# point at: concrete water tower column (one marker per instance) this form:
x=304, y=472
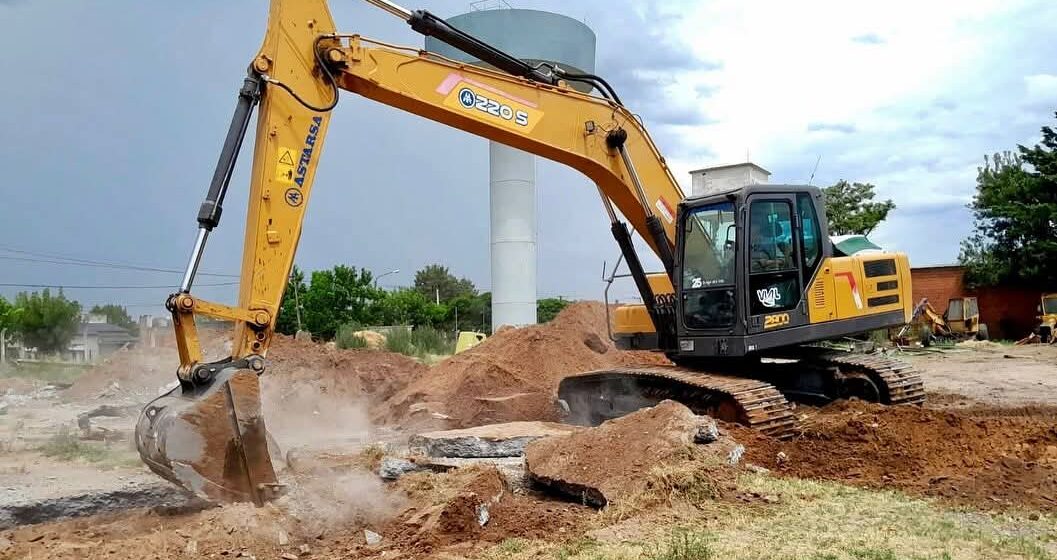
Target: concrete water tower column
x=512, y=201
x=533, y=36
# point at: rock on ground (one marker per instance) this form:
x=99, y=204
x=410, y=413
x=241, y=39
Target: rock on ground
x=599, y=466
x=493, y=440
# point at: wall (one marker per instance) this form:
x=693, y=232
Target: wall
x=938, y=284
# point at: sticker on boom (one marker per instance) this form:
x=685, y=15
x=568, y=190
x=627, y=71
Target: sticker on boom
x=493, y=107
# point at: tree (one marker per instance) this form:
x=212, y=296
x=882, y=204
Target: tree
x=436, y=279
x=116, y=315
x=47, y=323
x=339, y=296
x=1015, y=219
x=850, y=209
x=404, y=306
x=548, y=308
x=470, y=312
x=287, y=322
x=7, y=315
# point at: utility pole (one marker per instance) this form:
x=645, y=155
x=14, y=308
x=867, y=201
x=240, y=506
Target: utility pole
x=437, y=290
x=297, y=305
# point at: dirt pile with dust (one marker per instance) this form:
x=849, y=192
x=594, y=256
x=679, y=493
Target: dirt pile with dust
x=514, y=374
x=139, y=374
x=994, y=460
x=353, y=373
x=639, y=454
x=423, y=513
x=142, y=372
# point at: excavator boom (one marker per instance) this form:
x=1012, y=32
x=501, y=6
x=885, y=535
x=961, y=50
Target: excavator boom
x=208, y=434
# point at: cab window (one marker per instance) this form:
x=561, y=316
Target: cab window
x=810, y=234
x=708, y=267
x=774, y=272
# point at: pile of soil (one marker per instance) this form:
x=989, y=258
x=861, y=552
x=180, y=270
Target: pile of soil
x=514, y=374
x=618, y=460
x=995, y=460
x=449, y=508
x=355, y=373
x=140, y=373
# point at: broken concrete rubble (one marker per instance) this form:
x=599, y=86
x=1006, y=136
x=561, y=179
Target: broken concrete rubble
x=493, y=440
x=392, y=468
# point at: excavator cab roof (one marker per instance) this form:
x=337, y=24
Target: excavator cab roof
x=747, y=190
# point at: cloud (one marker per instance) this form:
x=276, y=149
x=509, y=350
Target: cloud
x=843, y=128
x=1041, y=89
x=868, y=39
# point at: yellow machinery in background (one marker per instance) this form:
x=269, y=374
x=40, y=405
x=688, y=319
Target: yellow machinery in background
x=468, y=339
x=1048, y=318
x=961, y=321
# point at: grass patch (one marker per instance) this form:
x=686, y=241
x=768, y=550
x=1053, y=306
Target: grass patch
x=576, y=547
x=47, y=372
x=371, y=457
x=422, y=343
x=809, y=520
x=683, y=545
x=66, y=446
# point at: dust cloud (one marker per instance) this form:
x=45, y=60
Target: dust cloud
x=304, y=420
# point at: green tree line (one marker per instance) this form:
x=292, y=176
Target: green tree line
x=326, y=300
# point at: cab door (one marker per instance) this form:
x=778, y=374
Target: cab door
x=773, y=257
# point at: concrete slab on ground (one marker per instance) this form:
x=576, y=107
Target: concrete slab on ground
x=493, y=440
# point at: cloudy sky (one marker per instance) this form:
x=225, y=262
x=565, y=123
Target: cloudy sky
x=113, y=114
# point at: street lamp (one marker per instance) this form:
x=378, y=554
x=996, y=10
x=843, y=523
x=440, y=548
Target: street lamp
x=384, y=275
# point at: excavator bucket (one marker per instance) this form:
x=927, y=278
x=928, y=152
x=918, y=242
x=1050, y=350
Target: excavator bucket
x=211, y=440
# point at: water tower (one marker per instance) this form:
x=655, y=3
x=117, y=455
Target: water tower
x=533, y=36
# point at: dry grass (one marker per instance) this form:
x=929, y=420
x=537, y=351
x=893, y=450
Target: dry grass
x=809, y=520
x=696, y=480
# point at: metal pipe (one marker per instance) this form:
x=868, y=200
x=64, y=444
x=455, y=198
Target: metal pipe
x=608, y=204
x=635, y=180
x=398, y=11
x=653, y=224
x=195, y=260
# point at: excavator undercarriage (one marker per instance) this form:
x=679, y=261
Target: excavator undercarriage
x=754, y=393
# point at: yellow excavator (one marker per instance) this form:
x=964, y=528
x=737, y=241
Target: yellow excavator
x=751, y=288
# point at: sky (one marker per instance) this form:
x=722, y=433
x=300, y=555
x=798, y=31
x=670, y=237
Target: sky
x=113, y=115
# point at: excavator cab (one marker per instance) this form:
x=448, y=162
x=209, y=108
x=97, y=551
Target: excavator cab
x=756, y=273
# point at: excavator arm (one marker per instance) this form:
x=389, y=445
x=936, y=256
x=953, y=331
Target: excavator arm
x=208, y=434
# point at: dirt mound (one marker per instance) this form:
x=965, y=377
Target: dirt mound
x=661, y=438
x=139, y=374
x=994, y=460
x=142, y=372
x=473, y=507
x=355, y=373
x=514, y=374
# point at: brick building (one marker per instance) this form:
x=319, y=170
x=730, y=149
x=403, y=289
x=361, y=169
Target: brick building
x=1009, y=313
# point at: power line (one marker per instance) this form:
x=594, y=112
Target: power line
x=47, y=258
x=71, y=287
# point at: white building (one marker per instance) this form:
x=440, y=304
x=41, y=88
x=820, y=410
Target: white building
x=727, y=177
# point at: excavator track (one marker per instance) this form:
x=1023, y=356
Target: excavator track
x=595, y=396
x=898, y=381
